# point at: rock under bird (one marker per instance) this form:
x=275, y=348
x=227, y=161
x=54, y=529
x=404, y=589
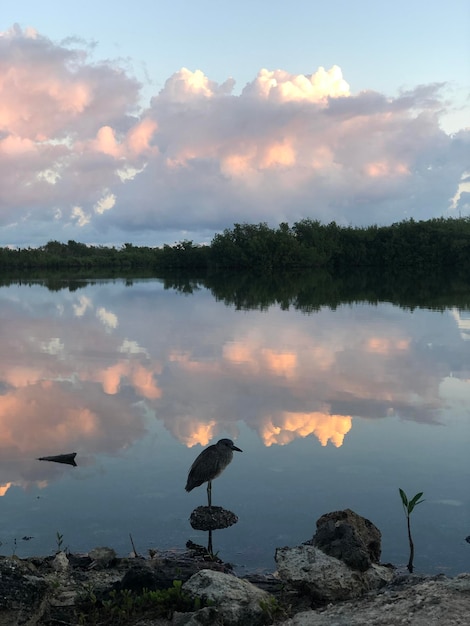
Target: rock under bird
x=209, y=464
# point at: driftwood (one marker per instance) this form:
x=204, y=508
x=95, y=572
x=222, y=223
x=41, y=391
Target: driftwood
x=67, y=459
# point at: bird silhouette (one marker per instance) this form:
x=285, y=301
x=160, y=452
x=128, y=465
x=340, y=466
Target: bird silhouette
x=209, y=464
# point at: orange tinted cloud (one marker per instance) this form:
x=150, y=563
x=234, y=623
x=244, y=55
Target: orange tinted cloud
x=55, y=427
x=289, y=425
x=198, y=432
x=238, y=352
x=15, y=146
x=22, y=376
x=280, y=363
x=135, y=143
x=386, y=345
x=4, y=488
x=185, y=85
x=238, y=164
x=279, y=154
x=139, y=137
x=259, y=359
x=106, y=142
x=140, y=377
x=384, y=168
x=285, y=87
x=72, y=132
x=194, y=365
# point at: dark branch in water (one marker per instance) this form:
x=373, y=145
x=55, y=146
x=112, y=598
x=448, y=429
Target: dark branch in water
x=67, y=459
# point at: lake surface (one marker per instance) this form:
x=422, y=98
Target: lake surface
x=333, y=408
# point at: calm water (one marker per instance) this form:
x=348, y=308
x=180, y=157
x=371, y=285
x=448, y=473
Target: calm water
x=333, y=409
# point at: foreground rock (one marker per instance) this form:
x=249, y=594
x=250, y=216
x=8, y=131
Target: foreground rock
x=350, y=538
x=23, y=593
x=339, y=563
x=33, y=593
x=324, y=579
x=237, y=601
x=408, y=601
x=342, y=584
x=79, y=589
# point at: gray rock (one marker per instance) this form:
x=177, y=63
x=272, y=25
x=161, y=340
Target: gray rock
x=212, y=518
x=102, y=557
x=208, y=616
x=436, y=601
x=349, y=537
x=60, y=562
x=323, y=578
x=23, y=593
x=238, y=602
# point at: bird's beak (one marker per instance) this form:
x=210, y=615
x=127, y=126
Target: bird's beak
x=237, y=449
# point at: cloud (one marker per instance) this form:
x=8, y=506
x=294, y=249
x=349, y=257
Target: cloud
x=280, y=86
x=71, y=381
x=285, y=428
x=80, y=160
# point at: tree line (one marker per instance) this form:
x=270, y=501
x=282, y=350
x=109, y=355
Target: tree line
x=307, y=291
x=307, y=244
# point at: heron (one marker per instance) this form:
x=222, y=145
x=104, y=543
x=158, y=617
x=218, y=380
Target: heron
x=209, y=464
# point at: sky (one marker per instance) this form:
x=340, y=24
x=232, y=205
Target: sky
x=157, y=122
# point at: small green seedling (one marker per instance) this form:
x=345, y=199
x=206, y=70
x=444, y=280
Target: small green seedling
x=408, y=506
x=59, y=541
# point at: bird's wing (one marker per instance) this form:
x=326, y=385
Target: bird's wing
x=206, y=467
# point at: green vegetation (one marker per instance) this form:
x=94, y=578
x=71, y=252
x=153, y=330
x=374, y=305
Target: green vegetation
x=273, y=610
x=306, y=291
x=122, y=606
x=59, y=541
x=442, y=243
x=408, y=506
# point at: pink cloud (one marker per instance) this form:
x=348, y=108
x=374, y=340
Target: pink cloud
x=200, y=158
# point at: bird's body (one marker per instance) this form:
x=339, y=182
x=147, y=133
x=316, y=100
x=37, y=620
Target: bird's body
x=209, y=464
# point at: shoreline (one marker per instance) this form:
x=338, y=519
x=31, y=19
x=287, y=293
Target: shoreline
x=57, y=589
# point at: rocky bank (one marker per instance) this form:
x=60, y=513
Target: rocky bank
x=335, y=578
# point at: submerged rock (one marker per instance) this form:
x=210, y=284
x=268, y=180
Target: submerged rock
x=212, y=518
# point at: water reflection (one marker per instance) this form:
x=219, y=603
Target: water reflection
x=76, y=366
x=94, y=369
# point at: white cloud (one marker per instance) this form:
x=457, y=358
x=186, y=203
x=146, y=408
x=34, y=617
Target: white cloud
x=54, y=346
x=79, y=216
x=281, y=86
x=109, y=319
x=79, y=161
x=129, y=346
x=84, y=303
x=186, y=86
x=106, y=203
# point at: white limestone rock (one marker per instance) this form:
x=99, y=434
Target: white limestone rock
x=326, y=579
x=238, y=602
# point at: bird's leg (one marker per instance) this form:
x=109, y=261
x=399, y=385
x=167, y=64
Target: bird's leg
x=209, y=492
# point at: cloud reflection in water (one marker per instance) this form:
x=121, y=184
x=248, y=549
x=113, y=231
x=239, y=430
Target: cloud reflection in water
x=79, y=370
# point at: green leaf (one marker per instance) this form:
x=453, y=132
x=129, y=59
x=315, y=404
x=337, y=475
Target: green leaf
x=414, y=501
x=404, y=499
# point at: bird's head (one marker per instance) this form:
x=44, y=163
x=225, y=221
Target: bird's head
x=228, y=443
